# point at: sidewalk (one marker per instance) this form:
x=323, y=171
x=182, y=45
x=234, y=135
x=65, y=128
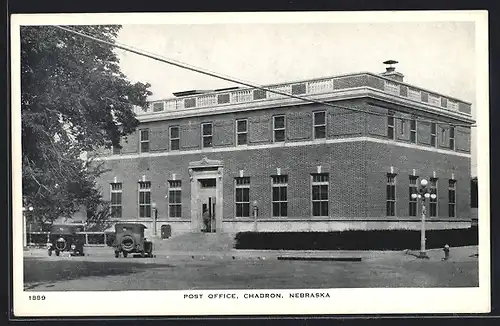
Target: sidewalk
x=456, y=254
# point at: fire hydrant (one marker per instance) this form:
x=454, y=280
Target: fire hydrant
x=446, y=250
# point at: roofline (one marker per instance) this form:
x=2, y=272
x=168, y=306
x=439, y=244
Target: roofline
x=321, y=78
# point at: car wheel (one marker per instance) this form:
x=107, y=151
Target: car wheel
x=125, y=254
x=57, y=252
x=50, y=252
x=117, y=254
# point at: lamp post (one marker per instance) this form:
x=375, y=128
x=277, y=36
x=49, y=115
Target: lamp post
x=423, y=193
x=255, y=213
x=25, y=240
x=155, y=217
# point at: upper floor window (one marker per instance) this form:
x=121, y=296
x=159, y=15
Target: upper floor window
x=175, y=138
x=451, y=140
x=144, y=140
x=390, y=125
x=206, y=134
x=413, y=130
x=319, y=125
x=433, y=134
x=116, y=200
x=279, y=128
x=443, y=136
x=241, y=132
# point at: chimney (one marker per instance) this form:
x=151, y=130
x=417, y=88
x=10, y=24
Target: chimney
x=390, y=71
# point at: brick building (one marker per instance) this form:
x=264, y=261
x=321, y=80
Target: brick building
x=304, y=166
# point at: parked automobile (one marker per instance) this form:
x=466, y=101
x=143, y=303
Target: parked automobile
x=129, y=239
x=64, y=238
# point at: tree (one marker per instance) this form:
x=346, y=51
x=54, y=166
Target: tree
x=74, y=100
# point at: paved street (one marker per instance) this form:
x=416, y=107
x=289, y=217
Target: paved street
x=246, y=269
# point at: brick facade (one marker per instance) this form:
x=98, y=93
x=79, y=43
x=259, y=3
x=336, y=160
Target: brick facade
x=356, y=154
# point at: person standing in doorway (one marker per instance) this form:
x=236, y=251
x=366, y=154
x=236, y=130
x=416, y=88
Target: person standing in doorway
x=206, y=219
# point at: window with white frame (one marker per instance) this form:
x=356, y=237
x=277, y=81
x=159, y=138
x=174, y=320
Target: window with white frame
x=116, y=200
x=144, y=199
x=174, y=198
x=390, y=125
x=242, y=196
x=451, y=140
x=433, y=134
x=279, y=128
x=207, y=134
x=413, y=130
x=241, y=132
x=319, y=194
x=433, y=202
x=413, y=189
x=144, y=140
x=452, y=198
x=175, y=138
x=319, y=122
x=280, y=196
x=443, y=136
x=391, y=195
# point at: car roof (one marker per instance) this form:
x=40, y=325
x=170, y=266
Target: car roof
x=133, y=225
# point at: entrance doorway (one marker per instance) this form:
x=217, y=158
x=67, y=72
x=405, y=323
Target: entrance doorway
x=207, y=200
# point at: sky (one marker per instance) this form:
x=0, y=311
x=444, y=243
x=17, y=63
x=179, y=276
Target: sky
x=438, y=56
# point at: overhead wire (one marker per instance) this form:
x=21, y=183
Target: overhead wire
x=182, y=65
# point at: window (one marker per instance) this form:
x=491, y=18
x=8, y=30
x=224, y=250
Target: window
x=319, y=194
x=242, y=196
x=174, y=198
x=413, y=189
x=280, y=201
x=433, y=203
x=279, y=128
x=206, y=134
x=402, y=126
x=144, y=199
x=433, y=134
x=452, y=187
x=144, y=140
x=443, y=136
x=241, y=132
x=452, y=138
x=175, y=138
x=391, y=195
x=116, y=200
x=390, y=125
x=319, y=125
x=413, y=130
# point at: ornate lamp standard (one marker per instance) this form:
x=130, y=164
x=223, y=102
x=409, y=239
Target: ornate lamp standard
x=255, y=213
x=155, y=217
x=423, y=193
x=25, y=240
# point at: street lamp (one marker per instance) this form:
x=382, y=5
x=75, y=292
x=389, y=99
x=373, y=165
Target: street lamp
x=423, y=193
x=255, y=213
x=155, y=217
x=25, y=240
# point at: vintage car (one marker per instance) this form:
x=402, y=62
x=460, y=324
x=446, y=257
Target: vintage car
x=129, y=239
x=64, y=238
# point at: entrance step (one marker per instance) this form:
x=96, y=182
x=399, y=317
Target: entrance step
x=197, y=242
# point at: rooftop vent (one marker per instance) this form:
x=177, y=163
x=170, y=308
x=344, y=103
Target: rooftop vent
x=390, y=71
